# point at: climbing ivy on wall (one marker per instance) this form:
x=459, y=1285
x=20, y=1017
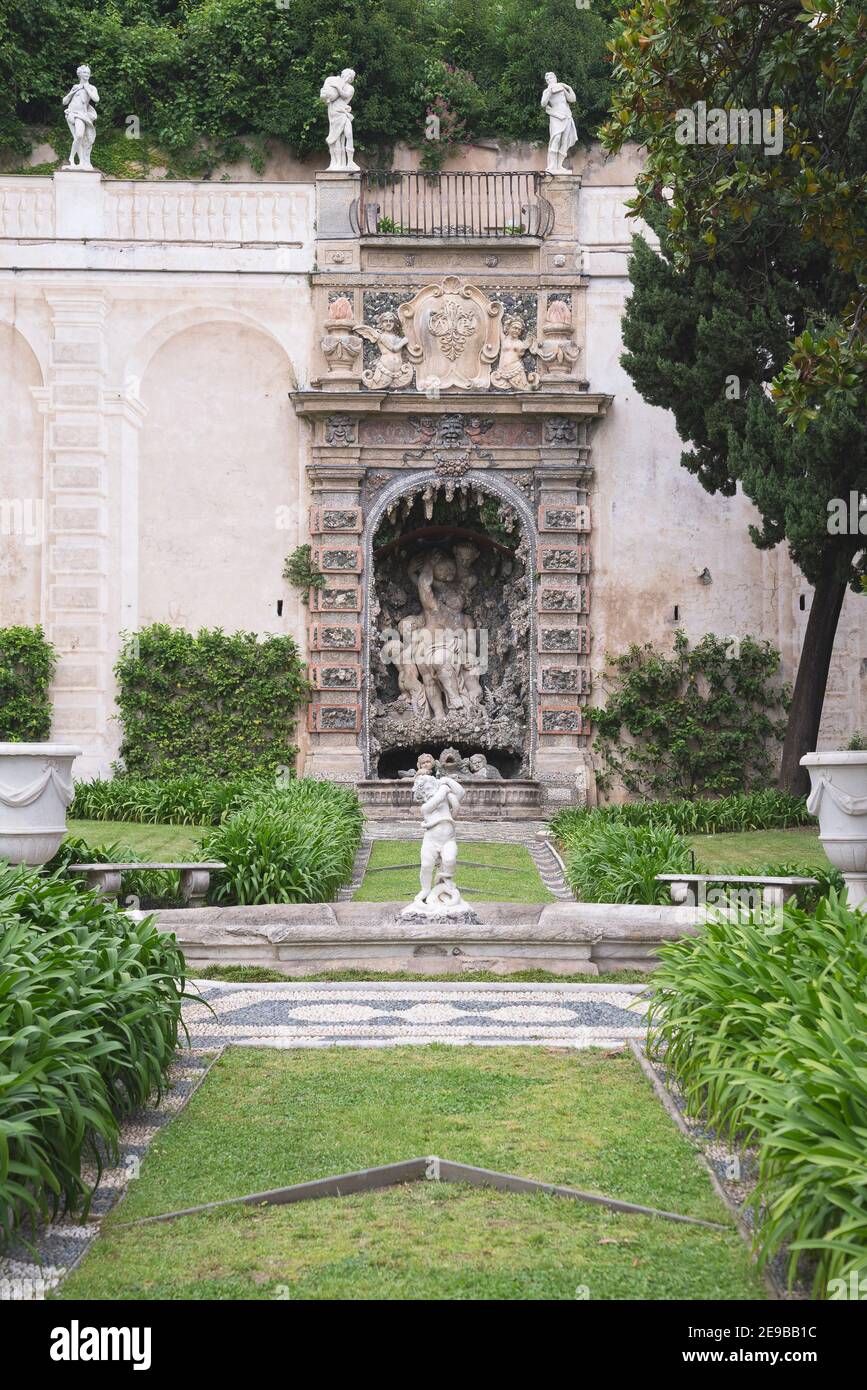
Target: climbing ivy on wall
x=215, y=702
x=700, y=721
x=27, y=663
x=205, y=78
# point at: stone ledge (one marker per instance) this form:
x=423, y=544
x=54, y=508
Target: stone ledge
x=565, y=938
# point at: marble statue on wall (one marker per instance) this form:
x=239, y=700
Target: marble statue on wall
x=425, y=766
x=390, y=370
x=482, y=771
x=337, y=93
x=80, y=112
x=562, y=135
x=510, y=373
x=439, y=895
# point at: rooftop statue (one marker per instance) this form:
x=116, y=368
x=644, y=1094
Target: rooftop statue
x=80, y=112
x=562, y=135
x=337, y=93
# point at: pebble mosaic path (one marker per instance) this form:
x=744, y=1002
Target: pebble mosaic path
x=383, y=1015
x=324, y=1015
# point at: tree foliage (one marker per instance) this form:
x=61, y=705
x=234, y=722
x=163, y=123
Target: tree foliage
x=218, y=72
x=806, y=59
x=704, y=340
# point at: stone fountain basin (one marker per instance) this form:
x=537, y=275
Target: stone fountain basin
x=512, y=798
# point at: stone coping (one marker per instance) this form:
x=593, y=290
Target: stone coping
x=299, y=940
x=356, y=921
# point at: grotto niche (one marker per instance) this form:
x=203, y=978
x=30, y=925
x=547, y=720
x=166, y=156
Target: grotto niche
x=450, y=631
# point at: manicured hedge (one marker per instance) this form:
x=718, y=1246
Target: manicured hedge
x=27, y=663
x=764, y=1026
x=89, y=1014
x=213, y=703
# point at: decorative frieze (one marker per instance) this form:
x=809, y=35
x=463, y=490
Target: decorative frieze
x=325, y=520
x=564, y=680
x=335, y=638
x=559, y=559
x=341, y=429
x=555, y=600
x=331, y=559
x=560, y=430
x=335, y=598
x=563, y=719
x=333, y=719
x=329, y=676
x=564, y=639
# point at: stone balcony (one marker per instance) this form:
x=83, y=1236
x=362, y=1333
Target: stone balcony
x=465, y=205
x=80, y=220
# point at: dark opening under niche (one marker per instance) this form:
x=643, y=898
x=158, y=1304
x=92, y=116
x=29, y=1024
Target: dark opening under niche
x=397, y=760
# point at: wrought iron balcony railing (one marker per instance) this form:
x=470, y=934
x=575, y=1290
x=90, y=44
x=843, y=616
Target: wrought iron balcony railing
x=452, y=205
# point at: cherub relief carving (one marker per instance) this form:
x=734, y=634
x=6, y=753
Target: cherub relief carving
x=390, y=371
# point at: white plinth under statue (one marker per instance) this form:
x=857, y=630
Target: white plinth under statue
x=439, y=896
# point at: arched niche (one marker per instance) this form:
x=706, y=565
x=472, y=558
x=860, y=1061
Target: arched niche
x=435, y=513
x=218, y=476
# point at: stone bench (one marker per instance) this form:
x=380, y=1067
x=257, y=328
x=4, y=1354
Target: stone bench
x=775, y=891
x=106, y=878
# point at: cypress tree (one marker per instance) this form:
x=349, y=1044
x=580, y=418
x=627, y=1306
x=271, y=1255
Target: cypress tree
x=703, y=342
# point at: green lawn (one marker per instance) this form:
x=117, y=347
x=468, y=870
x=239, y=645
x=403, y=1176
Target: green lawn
x=521, y=885
x=263, y=974
x=154, y=842
x=268, y=1118
x=753, y=849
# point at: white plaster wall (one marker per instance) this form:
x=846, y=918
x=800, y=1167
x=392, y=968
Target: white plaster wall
x=21, y=499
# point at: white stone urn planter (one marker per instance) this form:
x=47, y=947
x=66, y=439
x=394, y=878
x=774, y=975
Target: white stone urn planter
x=35, y=790
x=838, y=796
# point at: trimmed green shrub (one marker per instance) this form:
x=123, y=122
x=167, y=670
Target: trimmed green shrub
x=27, y=664
x=216, y=703
x=702, y=720
x=613, y=863
x=296, y=845
x=189, y=800
x=89, y=1015
x=762, y=810
x=765, y=1029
